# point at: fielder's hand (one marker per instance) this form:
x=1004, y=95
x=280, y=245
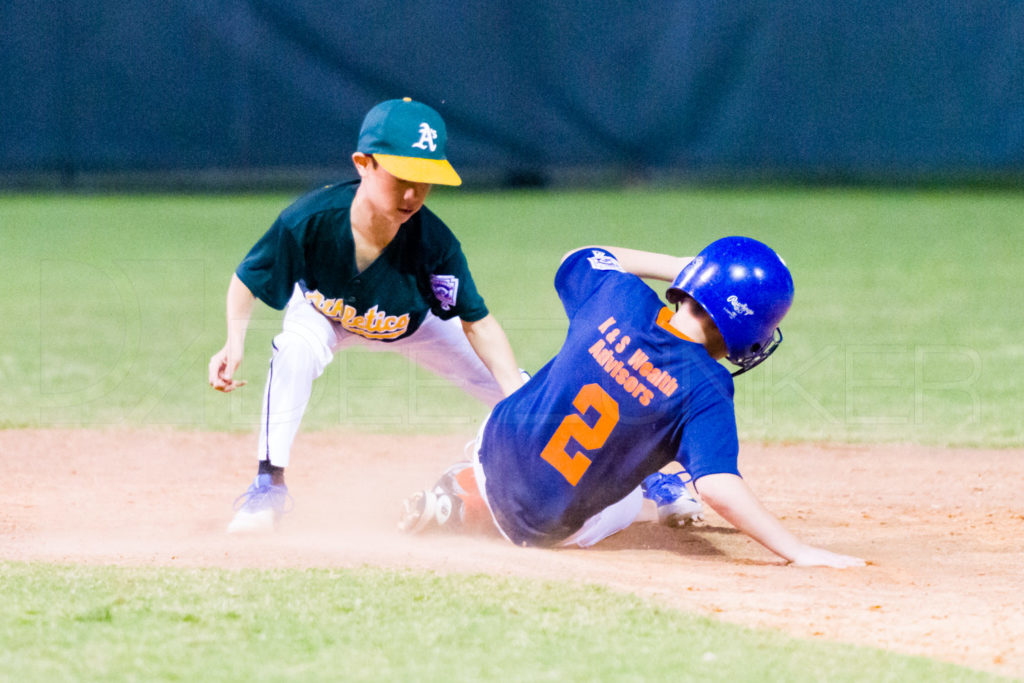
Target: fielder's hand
x=222, y=371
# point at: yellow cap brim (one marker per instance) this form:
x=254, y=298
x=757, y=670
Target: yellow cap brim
x=434, y=171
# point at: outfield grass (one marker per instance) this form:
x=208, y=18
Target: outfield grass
x=101, y=623
x=903, y=328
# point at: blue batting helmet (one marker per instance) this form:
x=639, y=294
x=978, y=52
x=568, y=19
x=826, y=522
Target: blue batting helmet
x=746, y=288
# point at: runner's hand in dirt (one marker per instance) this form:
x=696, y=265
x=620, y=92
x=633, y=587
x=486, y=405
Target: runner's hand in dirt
x=809, y=556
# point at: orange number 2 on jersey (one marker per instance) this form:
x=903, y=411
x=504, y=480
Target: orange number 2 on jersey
x=572, y=426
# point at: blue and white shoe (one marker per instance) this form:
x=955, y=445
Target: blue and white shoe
x=260, y=507
x=676, y=505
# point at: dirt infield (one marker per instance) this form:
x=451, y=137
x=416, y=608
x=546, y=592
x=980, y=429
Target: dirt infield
x=943, y=530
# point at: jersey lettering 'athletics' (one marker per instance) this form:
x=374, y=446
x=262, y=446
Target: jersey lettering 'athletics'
x=626, y=394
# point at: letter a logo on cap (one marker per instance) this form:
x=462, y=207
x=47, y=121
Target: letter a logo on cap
x=427, y=138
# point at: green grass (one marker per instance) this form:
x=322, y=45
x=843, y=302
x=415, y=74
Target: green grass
x=103, y=623
x=903, y=328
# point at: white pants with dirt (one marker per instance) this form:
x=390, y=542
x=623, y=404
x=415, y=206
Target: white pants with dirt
x=307, y=344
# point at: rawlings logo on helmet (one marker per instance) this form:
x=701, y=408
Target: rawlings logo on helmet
x=738, y=307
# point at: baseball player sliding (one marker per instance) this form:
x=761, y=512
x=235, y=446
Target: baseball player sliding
x=361, y=264
x=635, y=386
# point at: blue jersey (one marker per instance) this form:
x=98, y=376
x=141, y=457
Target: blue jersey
x=626, y=394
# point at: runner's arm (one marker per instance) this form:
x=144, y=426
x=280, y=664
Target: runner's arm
x=731, y=497
x=645, y=264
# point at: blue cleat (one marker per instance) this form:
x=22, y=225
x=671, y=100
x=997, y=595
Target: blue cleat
x=260, y=507
x=676, y=505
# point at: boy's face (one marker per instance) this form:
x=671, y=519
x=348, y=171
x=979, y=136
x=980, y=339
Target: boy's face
x=392, y=198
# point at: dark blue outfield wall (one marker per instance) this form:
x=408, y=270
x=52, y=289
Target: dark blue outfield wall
x=784, y=89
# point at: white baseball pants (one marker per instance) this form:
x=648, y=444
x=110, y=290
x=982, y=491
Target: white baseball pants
x=307, y=344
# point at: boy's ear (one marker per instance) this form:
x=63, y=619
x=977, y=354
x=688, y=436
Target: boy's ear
x=363, y=162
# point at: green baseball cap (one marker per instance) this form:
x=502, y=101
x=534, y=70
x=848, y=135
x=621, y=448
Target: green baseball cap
x=408, y=139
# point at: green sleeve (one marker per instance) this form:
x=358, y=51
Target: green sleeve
x=274, y=264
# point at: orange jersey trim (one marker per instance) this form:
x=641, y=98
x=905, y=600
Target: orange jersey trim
x=664, y=316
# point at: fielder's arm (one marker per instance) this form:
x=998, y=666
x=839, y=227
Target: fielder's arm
x=645, y=264
x=490, y=343
x=225, y=362
x=729, y=496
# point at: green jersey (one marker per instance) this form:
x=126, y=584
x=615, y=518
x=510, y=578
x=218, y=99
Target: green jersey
x=310, y=244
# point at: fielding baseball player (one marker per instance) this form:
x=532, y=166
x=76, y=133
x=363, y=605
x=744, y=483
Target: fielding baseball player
x=361, y=264
x=635, y=386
